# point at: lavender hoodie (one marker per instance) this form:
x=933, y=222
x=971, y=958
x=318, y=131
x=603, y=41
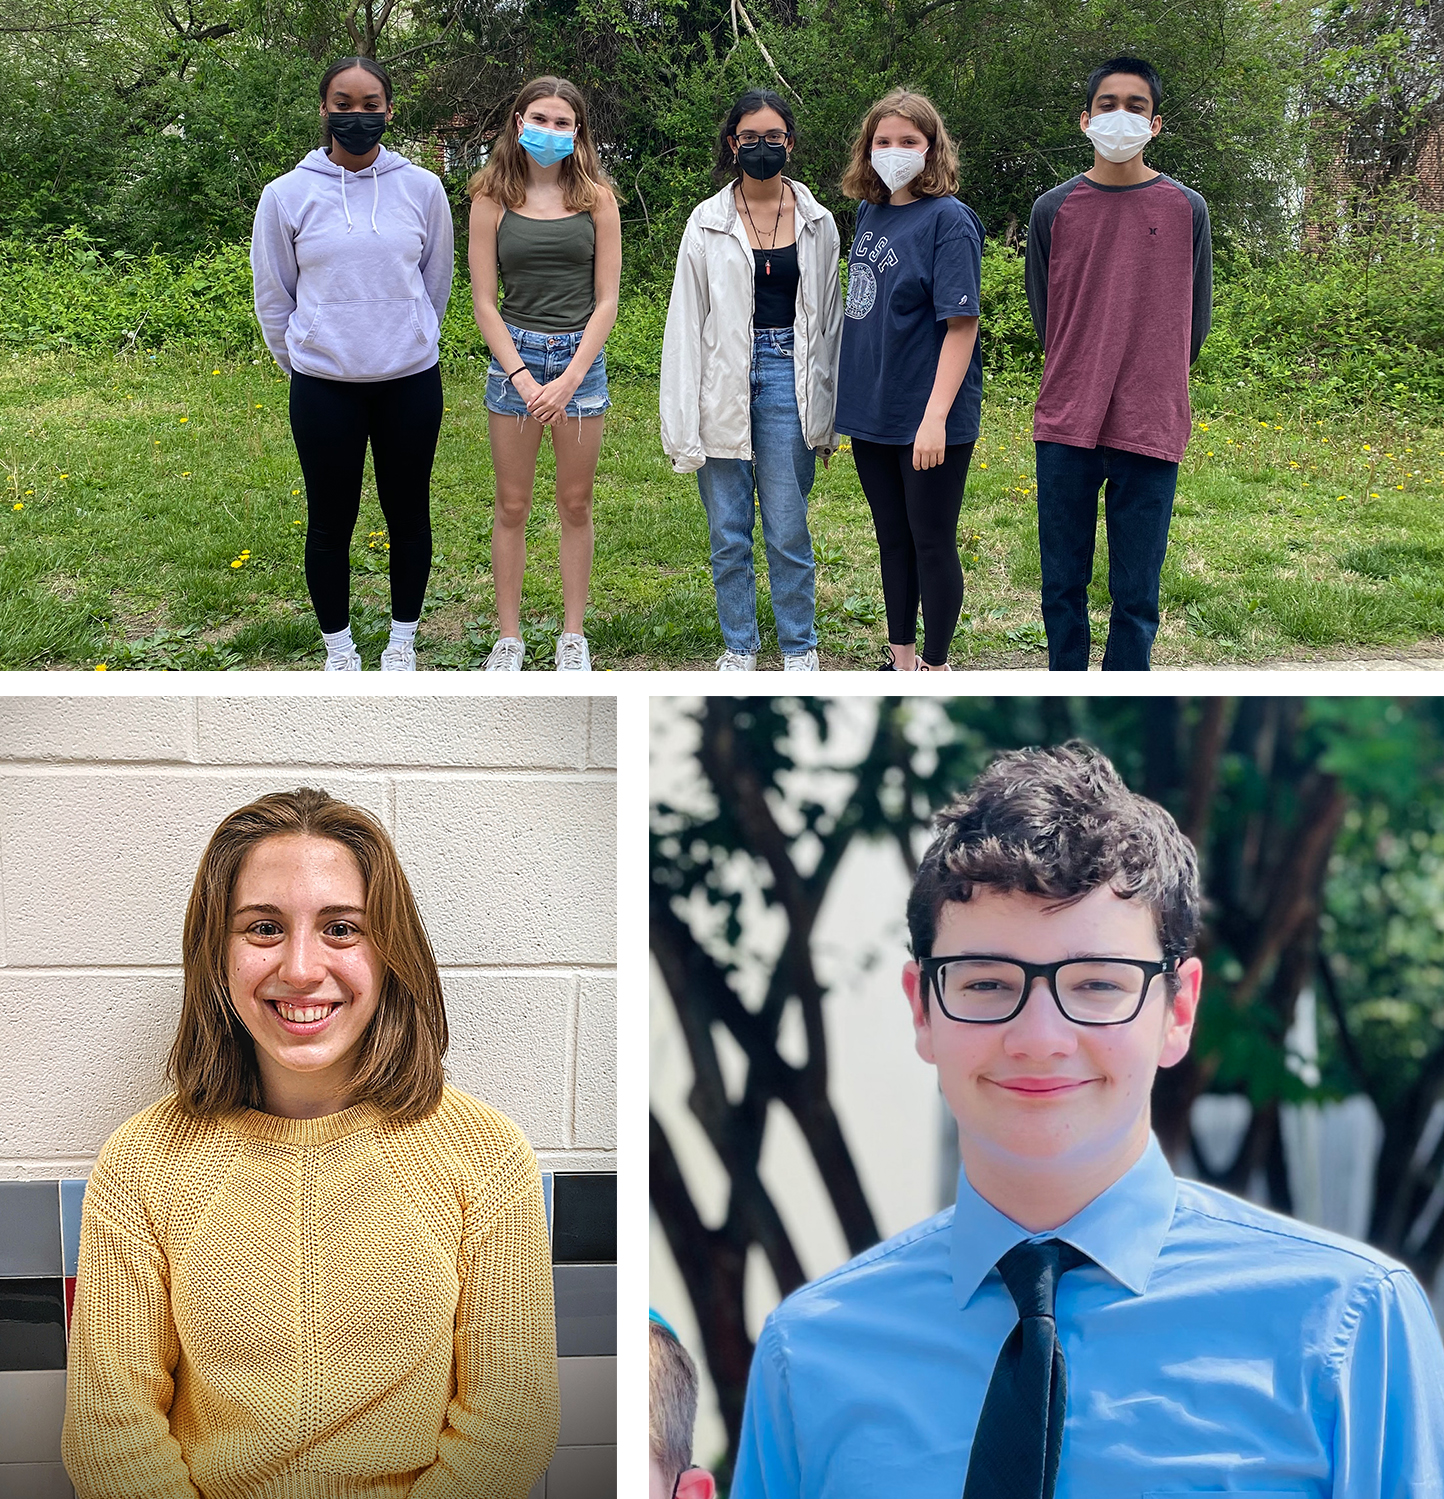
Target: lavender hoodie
x=352, y=270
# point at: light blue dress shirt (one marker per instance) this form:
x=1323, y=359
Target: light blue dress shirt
x=1213, y=1348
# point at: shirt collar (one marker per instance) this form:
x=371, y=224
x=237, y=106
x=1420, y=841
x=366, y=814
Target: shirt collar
x=1121, y=1230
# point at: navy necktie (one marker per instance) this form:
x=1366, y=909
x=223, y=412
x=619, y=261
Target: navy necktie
x=1020, y=1432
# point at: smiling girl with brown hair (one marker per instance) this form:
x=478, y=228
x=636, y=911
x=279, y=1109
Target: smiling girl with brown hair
x=315, y=1270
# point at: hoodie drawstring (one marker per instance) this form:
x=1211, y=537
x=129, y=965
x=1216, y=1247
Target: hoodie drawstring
x=376, y=198
x=344, y=208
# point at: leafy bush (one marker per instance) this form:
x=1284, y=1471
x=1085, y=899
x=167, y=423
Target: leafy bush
x=68, y=294
x=1360, y=321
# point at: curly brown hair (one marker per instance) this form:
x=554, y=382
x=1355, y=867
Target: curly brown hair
x=937, y=179
x=213, y=1061
x=1059, y=823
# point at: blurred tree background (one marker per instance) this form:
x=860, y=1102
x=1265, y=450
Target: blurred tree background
x=1320, y=826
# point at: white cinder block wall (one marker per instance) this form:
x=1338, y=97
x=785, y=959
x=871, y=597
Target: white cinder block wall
x=503, y=810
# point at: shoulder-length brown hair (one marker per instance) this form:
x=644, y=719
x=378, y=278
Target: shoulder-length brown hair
x=213, y=1061
x=936, y=180
x=584, y=183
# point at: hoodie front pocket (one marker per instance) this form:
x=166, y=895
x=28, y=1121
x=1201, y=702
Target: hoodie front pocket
x=365, y=339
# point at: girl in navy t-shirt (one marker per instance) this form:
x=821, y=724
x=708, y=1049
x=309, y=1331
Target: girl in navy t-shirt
x=910, y=385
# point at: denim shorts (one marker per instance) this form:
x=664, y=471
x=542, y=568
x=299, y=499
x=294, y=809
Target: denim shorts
x=546, y=356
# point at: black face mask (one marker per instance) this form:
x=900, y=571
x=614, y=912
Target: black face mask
x=357, y=132
x=762, y=160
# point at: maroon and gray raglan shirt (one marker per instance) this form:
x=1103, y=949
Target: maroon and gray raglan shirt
x=1120, y=285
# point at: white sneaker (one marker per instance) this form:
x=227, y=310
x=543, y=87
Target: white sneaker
x=736, y=661
x=572, y=653
x=399, y=657
x=506, y=655
x=807, y=661
x=351, y=661
x=918, y=666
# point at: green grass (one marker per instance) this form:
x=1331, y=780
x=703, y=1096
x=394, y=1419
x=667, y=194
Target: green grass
x=142, y=482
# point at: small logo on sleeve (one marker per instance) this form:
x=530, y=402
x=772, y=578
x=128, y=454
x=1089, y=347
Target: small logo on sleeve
x=962, y=301
x=1153, y=231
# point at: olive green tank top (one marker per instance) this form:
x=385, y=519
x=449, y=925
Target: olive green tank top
x=548, y=271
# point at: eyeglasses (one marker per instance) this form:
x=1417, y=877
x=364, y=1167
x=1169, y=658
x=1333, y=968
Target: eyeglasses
x=751, y=137
x=979, y=989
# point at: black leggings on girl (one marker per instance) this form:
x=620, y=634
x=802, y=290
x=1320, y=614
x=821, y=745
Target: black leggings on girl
x=915, y=515
x=331, y=421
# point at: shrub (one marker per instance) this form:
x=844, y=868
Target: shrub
x=1361, y=321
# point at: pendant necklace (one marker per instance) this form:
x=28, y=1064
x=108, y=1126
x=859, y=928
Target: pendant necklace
x=781, y=199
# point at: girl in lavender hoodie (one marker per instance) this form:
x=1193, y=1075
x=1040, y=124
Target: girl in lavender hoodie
x=352, y=258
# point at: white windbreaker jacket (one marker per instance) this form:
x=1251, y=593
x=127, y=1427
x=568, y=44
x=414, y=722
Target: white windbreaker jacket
x=707, y=347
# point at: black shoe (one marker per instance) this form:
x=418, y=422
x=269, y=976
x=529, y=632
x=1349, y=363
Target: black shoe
x=888, y=664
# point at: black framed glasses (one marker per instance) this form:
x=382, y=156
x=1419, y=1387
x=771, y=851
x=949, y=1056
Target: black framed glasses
x=980, y=989
x=751, y=137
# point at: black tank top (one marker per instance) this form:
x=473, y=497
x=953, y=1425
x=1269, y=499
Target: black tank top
x=776, y=305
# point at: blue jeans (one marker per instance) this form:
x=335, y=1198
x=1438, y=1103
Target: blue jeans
x=546, y=355
x=780, y=474
x=1137, y=507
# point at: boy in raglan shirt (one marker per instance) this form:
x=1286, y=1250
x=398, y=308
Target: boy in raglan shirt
x=1120, y=286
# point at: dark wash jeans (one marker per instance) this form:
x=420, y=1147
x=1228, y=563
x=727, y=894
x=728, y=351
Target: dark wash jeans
x=1137, y=507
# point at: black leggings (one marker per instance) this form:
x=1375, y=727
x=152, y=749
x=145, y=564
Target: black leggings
x=915, y=515
x=331, y=420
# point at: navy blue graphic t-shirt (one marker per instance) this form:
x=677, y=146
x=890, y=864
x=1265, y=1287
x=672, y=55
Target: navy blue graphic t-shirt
x=911, y=268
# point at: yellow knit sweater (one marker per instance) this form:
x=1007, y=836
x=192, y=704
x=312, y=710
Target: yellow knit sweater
x=335, y=1308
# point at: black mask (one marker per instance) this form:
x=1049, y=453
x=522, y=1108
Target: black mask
x=762, y=160
x=357, y=132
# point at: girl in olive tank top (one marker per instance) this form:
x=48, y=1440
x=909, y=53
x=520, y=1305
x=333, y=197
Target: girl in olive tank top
x=546, y=232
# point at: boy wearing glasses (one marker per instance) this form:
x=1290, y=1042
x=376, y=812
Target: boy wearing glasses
x=1083, y=1324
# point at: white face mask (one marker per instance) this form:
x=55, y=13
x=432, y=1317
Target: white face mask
x=897, y=166
x=1119, y=135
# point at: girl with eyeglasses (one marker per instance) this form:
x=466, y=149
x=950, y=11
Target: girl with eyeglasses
x=749, y=374
x=545, y=225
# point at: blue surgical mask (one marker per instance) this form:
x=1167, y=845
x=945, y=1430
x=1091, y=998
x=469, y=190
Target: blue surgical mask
x=545, y=147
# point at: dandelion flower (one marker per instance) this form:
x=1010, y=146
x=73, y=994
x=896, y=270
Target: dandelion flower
x=258, y=406
x=295, y=491
x=185, y=418
x=984, y=465
x=101, y=666
x=1373, y=497
x=65, y=476
x=237, y=562
x=1398, y=486
x=19, y=505
x=1367, y=448
x=215, y=372
x=186, y=474
x=295, y=523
